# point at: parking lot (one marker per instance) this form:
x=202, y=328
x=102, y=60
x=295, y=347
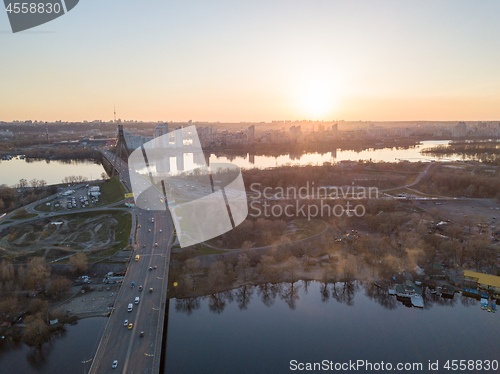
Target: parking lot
x=77, y=198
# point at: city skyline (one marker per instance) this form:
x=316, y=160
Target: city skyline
x=232, y=62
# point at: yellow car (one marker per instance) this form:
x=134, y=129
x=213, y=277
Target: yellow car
x=137, y=258
x=130, y=325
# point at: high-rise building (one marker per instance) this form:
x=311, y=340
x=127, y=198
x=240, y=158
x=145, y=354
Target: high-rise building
x=335, y=129
x=251, y=133
x=295, y=133
x=161, y=130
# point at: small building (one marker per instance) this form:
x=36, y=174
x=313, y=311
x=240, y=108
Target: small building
x=485, y=282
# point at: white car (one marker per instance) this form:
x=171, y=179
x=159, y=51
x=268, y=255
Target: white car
x=115, y=364
x=125, y=323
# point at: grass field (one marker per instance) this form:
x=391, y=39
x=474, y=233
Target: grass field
x=24, y=216
x=306, y=229
x=112, y=191
x=44, y=207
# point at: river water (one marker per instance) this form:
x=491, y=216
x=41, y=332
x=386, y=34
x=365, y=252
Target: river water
x=52, y=172
x=264, y=331
x=411, y=154
x=64, y=354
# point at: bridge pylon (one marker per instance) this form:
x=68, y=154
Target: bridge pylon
x=121, y=148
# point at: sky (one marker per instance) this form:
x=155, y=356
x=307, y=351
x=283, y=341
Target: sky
x=230, y=60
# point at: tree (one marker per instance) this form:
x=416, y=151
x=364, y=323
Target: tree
x=6, y=271
x=23, y=183
x=38, y=273
x=36, y=331
x=58, y=287
x=38, y=306
x=243, y=266
x=267, y=269
x=9, y=307
x=291, y=268
x=192, y=268
x=216, y=274
x=78, y=263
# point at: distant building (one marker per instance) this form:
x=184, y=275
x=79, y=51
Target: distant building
x=251, y=134
x=335, y=129
x=295, y=133
x=161, y=130
x=459, y=130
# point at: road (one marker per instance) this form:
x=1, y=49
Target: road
x=135, y=353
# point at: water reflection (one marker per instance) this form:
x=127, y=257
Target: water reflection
x=67, y=351
x=238, y=332
x=391, y=154
x=290, y=293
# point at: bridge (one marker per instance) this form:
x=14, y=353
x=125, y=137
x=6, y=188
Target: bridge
x=138, y=348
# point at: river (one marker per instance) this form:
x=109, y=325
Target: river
x=52, y=172
x=411, y=154
x=264, y=331
x=63, y=354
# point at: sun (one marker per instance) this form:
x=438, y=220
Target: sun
x=318, y=100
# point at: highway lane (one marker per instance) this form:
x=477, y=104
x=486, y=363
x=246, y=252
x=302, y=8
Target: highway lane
x=134, y=353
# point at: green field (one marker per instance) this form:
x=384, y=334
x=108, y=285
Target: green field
x=306, y=229
x=112, y=191
x=44, y=207
x=24, y=216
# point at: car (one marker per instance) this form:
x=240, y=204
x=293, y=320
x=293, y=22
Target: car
x=137, y=300
x=150, y=268
x=160, y=230
x=137, y=257
x=130, y=325
x=140, y=226
x=140, y=288
x=154, y=267
x=125, y=323
x=151, y=290
x=144, y=246
x=115, y=364
x=149, y=230
x=156, y=244
x=142, y=334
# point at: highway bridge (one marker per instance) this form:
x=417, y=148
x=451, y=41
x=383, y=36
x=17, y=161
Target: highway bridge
x=138, y=349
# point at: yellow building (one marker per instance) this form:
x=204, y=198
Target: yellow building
x=484, y=281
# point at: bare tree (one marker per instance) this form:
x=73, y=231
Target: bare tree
x=38, y=273
x=36, y=331
x=38, y=306
x=216, y=274
x=291, y=268
x=243, y=266
x=6, y=271
x=58, y=287
x=192, y=268
x=78, y=263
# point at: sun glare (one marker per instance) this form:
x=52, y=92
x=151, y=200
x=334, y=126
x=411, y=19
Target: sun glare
x=318, y=101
